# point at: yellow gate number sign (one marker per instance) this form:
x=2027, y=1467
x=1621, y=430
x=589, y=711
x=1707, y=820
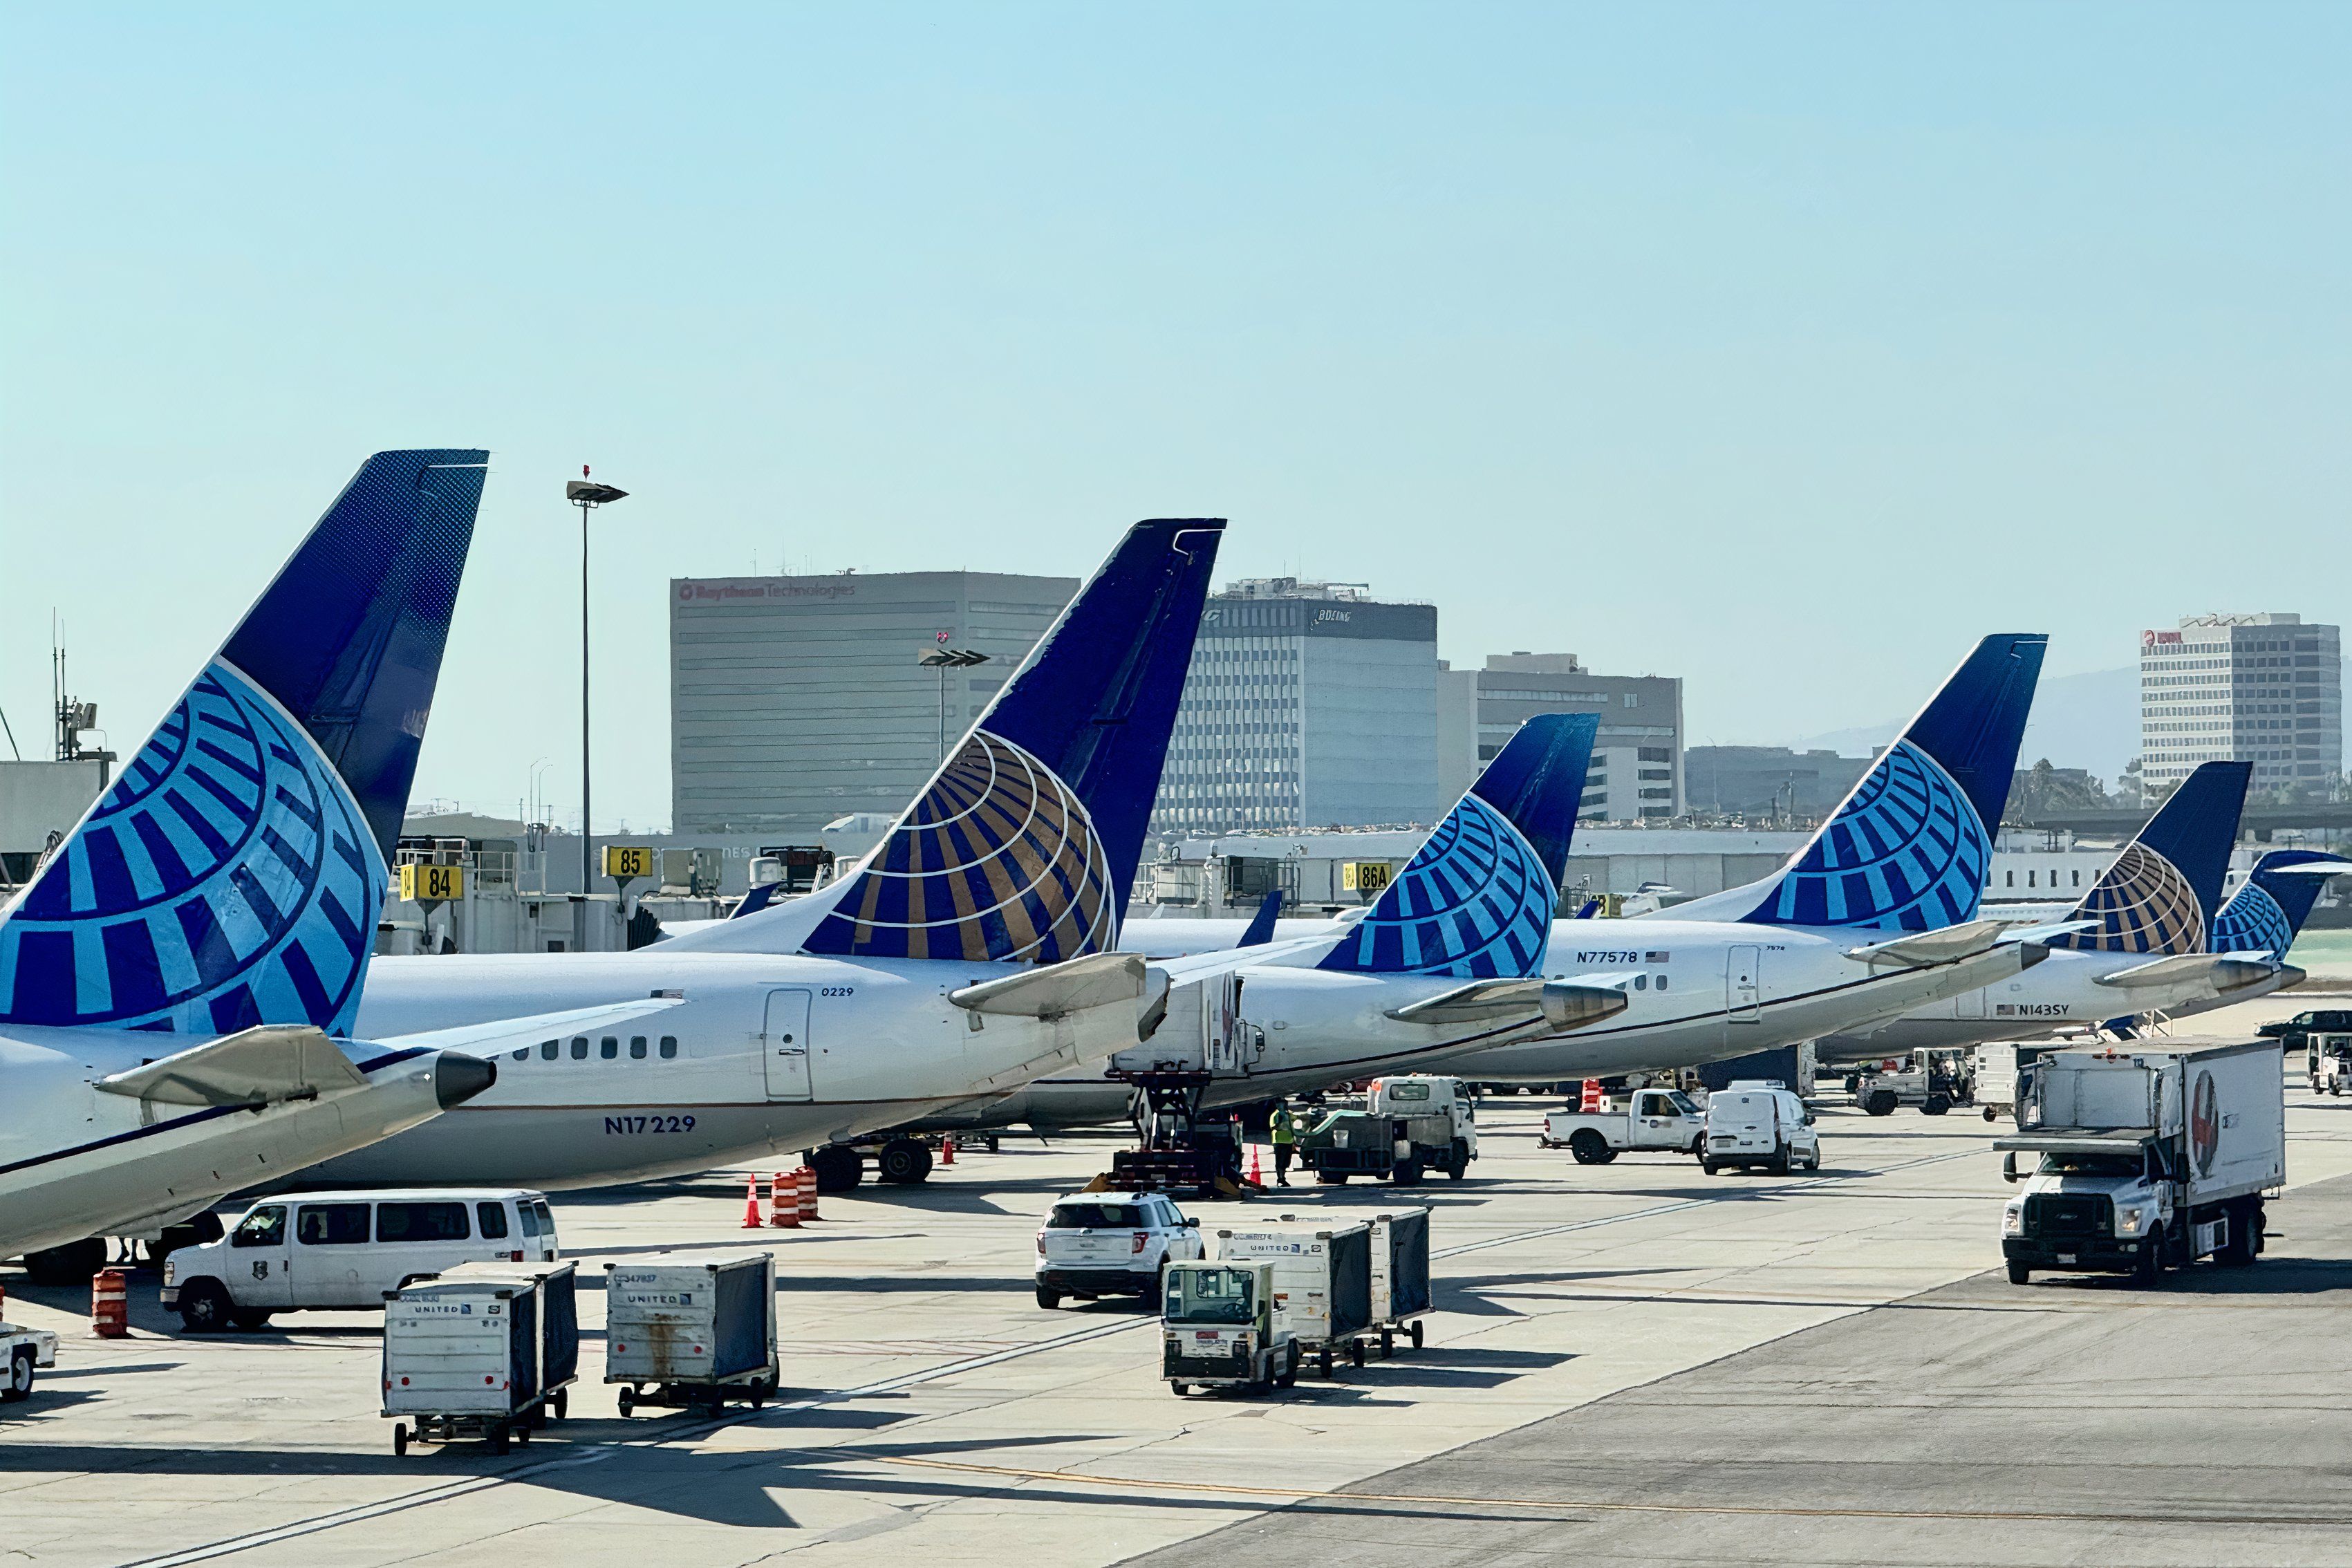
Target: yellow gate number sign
x=1366, y=876
x=626, y=862
x=432, y=884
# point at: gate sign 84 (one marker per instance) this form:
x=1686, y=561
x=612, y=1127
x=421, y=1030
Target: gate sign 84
x=432, y=884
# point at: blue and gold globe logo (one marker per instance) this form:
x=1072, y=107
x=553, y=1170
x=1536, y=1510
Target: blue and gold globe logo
x=2142, y=904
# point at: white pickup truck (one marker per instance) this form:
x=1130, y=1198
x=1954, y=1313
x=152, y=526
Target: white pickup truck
x=1661, y=1119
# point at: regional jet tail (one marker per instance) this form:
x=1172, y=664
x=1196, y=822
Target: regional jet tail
x=2259, y=924
x=178, y=983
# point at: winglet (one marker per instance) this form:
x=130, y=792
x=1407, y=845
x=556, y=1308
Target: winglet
x=1261, y=927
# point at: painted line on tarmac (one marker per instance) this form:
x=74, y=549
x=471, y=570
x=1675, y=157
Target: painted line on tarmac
x=596, y=1454
x=1578, y=1505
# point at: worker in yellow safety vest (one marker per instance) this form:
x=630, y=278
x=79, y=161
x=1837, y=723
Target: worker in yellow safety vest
x=1284, y=1129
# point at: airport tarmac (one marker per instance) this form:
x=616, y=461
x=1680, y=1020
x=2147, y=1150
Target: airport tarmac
x=1631, y=1360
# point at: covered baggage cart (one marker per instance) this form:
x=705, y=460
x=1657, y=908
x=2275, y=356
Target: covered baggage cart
x=692, y=1331
x=461, y=1360
x=1322, y=1280
x=556, y=1309
x=1401, y=1293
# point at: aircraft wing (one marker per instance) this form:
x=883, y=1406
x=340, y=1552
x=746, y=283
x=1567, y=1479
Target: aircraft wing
x=508, y=1033
x=1057, y=990
x=260, y=1065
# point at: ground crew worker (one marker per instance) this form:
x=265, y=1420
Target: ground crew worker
x=1284, y=1129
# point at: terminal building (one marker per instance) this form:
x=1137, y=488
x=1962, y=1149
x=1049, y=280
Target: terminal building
x=1309, y=705
x=796, y=700
x=1637, y=755
x=2263, y=689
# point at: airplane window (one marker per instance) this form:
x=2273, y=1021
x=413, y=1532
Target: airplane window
x=609, y=1049
x=668, y=1046
x=524, y=1054
x=637, y=1048
x=547, y=1050
x=1662, y=982
x=579, y=1047
x=1641, y=983
x=2078, y=879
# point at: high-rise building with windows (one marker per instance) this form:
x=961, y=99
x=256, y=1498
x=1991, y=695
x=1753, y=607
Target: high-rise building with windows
x=2268, y=689
x=1637, y=757
x=1309, y=705
x=795, y=700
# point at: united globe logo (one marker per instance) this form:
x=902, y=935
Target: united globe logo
x=2252, y=921
x=1906, y=852
x=2143, y=904
x=1474, y=901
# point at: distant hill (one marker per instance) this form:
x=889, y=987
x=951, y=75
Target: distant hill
x=2089, y=720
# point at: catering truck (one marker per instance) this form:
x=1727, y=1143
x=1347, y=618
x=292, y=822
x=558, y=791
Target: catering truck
x=2146, y=1160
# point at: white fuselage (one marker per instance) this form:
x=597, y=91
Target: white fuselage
x=2063, y=992
x=1698, y=991
x=764, y=1056
x=78, y=1162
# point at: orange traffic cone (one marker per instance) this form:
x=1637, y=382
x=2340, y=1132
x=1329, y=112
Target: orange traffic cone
x=947, y=1149
x=1256, y=1178
x=751, y=1220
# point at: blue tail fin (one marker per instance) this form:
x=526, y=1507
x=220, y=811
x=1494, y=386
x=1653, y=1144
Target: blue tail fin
x=233, y=874
x=1908, y=849
x=1024, y=843
x=2164, y=892
x=2267, y=914
x=1260, y=930
x=1477, y=900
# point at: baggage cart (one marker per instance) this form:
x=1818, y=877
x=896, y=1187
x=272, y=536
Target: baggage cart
x=1401, y=1293
x=692, y=1331
x=461, y=1360
x=556, y=1310
x=1322, y=1281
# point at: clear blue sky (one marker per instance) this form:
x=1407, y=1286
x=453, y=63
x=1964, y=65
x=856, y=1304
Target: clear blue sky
x=1785, y=348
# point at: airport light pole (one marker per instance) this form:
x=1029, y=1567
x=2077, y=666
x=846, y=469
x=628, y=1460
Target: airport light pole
x=942, y=659
x=587, y=497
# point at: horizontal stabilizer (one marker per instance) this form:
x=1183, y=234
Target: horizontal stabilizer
x=1479, y=1002
x=2225, y=971
x=1058, y=989
x=512, y=1034
x=260, y=1065
x=1925, y=948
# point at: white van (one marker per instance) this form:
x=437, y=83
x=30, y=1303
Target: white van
x=348, y=1250
x=1754, y=1123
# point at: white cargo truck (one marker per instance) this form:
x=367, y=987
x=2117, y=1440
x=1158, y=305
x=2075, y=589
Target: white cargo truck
x=1322, y=1280
x=2145, y=1159
x=1665, y=1120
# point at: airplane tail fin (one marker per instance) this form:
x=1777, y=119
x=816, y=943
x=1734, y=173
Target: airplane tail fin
x=2267, y=913
x=1024, y=843
x=1476, y=900
x=232, y=875
x=2163, y=893
x=1260, y=930
x=1908, y=849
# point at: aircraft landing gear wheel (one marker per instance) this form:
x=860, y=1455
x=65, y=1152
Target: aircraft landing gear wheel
x=905, y=1161
x=839, y=1168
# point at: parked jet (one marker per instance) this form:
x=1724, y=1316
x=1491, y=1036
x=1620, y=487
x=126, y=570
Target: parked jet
x=178, y=982
x=1793, y=957
x=1450, y=957
x=973, y=951
x=2146, y=951
x=2262, y=919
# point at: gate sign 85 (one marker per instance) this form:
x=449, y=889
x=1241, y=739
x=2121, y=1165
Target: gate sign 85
x=628, y=862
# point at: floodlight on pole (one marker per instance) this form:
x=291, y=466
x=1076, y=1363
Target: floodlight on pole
x=942, y=659
x=587, y=496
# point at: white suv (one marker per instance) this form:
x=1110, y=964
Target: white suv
x=1757, y=1124
x=1111, y=1244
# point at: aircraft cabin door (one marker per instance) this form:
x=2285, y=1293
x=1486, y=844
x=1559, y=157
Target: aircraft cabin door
x=1220, y=1024
x=1742, y=988
x=786, y=1039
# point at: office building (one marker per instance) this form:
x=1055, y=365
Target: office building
x=795, y=700
x=1637, y=768
x=1309, y=705
x=1769, y=782
x=2266, y=688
